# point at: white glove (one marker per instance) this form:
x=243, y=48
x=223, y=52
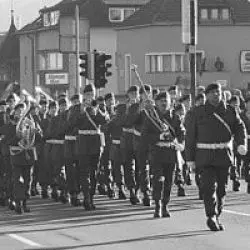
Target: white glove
x=191, y=165
x=242, y=150
x=162, y=136
x=179, y=147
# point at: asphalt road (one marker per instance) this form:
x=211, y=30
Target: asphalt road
x=118, y=225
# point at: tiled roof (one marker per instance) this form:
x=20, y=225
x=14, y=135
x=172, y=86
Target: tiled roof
x=126, y=2
x=9, y=49
x=169, y=11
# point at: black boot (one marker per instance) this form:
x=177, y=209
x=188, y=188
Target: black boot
x=248, y=188
x=165, y=211
x=111, y=193
x=92, y=205
x=11, y=204
x=181, y=191
x=102, y=189
x=54, y=194
x=63, y=197
x=25, y=208
x=212, y=224
x=146, y=199
x=18, y=208
x=157, y=213
x=86, y=204
x=133, y=198
x=200, y=195
x=122, y=195
x=221, y=226
x=74, y=201
x=236, y=185
x=44, y=194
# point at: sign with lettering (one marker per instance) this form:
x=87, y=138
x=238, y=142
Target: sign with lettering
x=56, y=78
x=245, y=61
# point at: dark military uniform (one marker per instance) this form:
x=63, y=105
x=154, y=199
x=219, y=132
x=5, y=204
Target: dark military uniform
x=164, y=156
x=90, y=143
x=246, y=159
x=209, y=132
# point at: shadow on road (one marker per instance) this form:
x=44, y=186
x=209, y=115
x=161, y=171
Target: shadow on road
x=139, y=239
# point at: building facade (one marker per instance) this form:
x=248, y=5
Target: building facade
x=45, y=62
x=152, y=39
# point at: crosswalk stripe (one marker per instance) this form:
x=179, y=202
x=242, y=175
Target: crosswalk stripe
x=24, y=240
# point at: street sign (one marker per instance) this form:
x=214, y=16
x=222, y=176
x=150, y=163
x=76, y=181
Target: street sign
x=186, y=20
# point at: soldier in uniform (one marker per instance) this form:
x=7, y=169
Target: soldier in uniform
x=210, y=129
x=173, y=91
x=91, y=143
x=114, y=131
x=70, y=152
x=165, y=135
x=246, y=159
x=127, y=143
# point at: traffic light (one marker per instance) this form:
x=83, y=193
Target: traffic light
x=84, y=65
x=101, y=69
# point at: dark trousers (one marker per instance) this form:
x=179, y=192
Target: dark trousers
x=105, y=174
x=72, y=176
x=214, y=181
x=21, y=178
x=87, y=174
x=117, y=164
x=162, y=180
x=129, y=167
x=246, y=167
x=198, y=174
x=8, y=178
x=143, y=167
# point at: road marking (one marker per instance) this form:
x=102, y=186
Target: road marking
x=24, y=240
x=236, y=213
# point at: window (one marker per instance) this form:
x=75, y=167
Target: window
x=25, y=65
x=171, y=62
x=51, y=61
x=225, y=14
x=214, y=14
x=204, y=14
x=120, y=14
x=51, y=18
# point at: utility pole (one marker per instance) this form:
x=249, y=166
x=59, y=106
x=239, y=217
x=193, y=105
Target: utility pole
x=192, y=48
x=77, y=24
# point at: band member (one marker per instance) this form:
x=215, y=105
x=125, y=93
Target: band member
x=45, y=173
x=110, y=104
x=200, y=99
x=165, y=135
x=246, y=159
x=209, y=131
x=173, y=91
x=155, y=92
x=22, y=155
x=141, y=147
x=115, y=132
x=70, y=153
x=91, y=143
x=127, y=143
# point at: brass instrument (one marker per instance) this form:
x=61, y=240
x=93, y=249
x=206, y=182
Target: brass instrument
x=152, y=114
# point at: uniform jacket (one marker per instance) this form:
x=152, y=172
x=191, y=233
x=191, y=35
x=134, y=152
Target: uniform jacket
x=152, y=133
x=203, y=127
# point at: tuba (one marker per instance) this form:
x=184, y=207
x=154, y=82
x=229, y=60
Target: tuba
x=26, y=130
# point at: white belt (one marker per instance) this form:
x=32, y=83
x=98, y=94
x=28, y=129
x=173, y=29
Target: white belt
x=128, y=130
x=55, y=141
x=70, y=138
x=165, y=144
x=137, y=133
x=116, y=142
x=213, y=145
x=88, y=132
x=20, y=149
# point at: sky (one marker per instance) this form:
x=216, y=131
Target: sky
x=25, y=10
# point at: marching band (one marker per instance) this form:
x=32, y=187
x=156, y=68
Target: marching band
x=145, y=145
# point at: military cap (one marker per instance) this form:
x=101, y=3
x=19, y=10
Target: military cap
x=75, y=97
x=43, y=102
x=100, y=99
x=234, y=98
x=199, y=96
x=211, y=87
x=19, y=106
x=62, y=102
x=62, y=96
x=172, y=88
x=155, y=92
x=52, y=104
x=109, y=96
x=147, y=87
x=10, y=97
x=2, y=103
x=185, y=98
x=89, y=88
x=162, y=95
x=179, y=107
x=133, y=88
